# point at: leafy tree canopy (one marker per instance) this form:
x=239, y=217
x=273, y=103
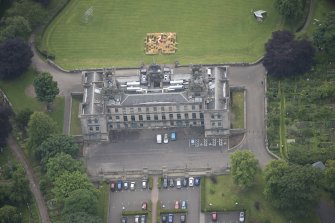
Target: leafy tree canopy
x=324, y=35
x=56, y=144
x=22, y=118
x=40, y=127
x=20, y=191
x=9, y=214
x=80, y=217
x=46, y=89
x=290, y=9
x=81, y=200
x=292, y=188
x=30, y=10
x=66, y=183
x=5, y=126
x=15, y=58
x=244, y=168
x=12, y=27
x=330, y=177
x=62, y=163
x=286, y=56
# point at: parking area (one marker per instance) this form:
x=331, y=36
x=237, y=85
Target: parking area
x=129, y=200
x=224, y=217
x=134, y=150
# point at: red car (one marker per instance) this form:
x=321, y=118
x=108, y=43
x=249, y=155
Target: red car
x=112, y=186
x=144, y=206
x=214, y=216
x=176, y=205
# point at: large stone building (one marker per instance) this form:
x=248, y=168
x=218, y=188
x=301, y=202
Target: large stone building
x=159, y=99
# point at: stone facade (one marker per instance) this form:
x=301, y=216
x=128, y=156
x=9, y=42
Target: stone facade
x=201, y=100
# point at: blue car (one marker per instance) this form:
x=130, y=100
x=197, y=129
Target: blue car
x=119, y=185
x=170, y=218
x=173, y=136
x=197, y=181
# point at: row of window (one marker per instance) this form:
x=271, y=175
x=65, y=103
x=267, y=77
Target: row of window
x=154, y=109
x=165, y=123
x=155, y=117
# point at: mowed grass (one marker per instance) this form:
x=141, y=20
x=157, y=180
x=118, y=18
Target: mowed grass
x=213, y=31
x=75, y=128
x=237, y=109
x=226, y=196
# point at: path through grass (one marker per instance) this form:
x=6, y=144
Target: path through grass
x=207, y=31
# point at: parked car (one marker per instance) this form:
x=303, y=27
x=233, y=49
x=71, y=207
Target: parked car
x=166, y=138
x=192, y=142
x=197, y=181
x=164, y=218
x=119, y=185
x=171, y=182
x=144, y=206
x=124, y=220
x=125, y=185
x=185, y=182
x=137, y=219
x=112, y=186
x=143, y=219
x=173, y=136
x=191, y=181
x=182, y=218
x=241, y=216
x=183, y=205
x=132, y=185
x=178, y=183
x=176, y=205
x=165, y=182
x=170, y=218
x=214, y=216
x=144, y=184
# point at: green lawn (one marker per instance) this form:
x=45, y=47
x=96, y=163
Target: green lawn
x=226, y=196
x=237, y=109
x=75, y=128
x=16, y=91
x=103, y=202
x=207, y=31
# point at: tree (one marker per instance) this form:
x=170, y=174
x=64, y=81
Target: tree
x=10, y=214
x=6, y=127
x=56, y=144
x=15, y=58
x=81, y=200
x=46, y=89
x=324, y=35
x=330, y=177
x=40, y=127
x=69, y=182
x=244, y=167
x=290, y=9
x=286, y=56
x=20, y=191
x=80, y=217
x=292, y=188
x=62, y=163
x=22, y=118
x=12, y=27
x=31, y=11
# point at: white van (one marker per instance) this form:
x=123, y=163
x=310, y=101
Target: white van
x=159, y=138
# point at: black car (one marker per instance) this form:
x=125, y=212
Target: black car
x=182, y=218
x=185, y=182
x=124, y=220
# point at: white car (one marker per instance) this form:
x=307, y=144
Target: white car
x=166, y=138
x=191, y=182
x=132, y=185
x=241, y=216
x=178, y=183
x=144, y=184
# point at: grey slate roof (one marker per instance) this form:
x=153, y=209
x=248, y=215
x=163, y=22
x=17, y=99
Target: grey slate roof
x=136, y=99
x=319, y=165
